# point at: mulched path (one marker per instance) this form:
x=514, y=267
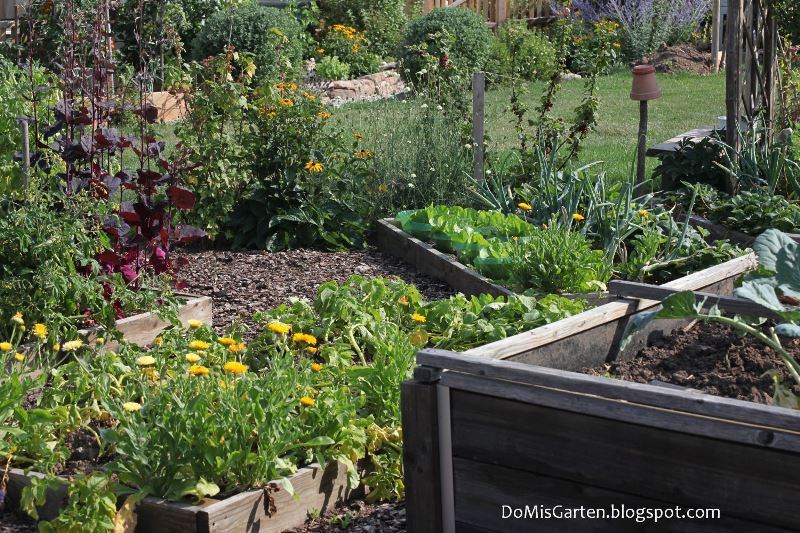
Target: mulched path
x=241, y=283
x=711, y=358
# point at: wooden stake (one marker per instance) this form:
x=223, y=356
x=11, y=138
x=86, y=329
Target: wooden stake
x=716, y=26
x=733, y=80
x=640, y=161
x=478, y=103
x=26, y=155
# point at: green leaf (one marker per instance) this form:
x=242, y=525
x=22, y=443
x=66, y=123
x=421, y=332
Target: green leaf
x=679, y=305
x=788, y=330
x=761, y=292
x=319, y=441
x=206, y=488
x=768, y=246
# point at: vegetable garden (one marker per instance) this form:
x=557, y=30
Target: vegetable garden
x=231, y=302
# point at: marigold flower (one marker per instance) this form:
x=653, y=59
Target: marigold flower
x=524, y=206
x=192, y=358
x=18, y=318
x=403, y=300
x=71, y=346
x=132, y=407
x=146, y=360
x=227, y=341
x=19, y=357
x=578, y=217
x=311, y=349
x=195, y=324
x=316, y=367
x=40, y=331
x=307, y=401
x=5, y=346
x=314, y=167
x=198, y=345
x=416, y=317
x=235, y=367
x=279, y=327
x=324, y=115
x=287, y=102
x=198, y=370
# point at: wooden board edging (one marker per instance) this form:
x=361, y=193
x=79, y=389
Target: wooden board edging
x=721, y=231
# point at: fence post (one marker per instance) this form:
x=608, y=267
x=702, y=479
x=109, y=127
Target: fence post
x=478, y=103
x=502, y=10
x=716, y=26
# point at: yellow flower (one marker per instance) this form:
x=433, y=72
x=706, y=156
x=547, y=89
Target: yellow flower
x=40, y=331
x=307, y=401
x=5, y=346
x=544, y=226
x=324, y=115
x=100, y=340
x=235, y=367
x=158, y=341
x=524, y=206
x=382, y=188
x=284, y=85
x=192, y=358
x=311, y=349
x=363, y=154
x=18, y=318
x=19, y=357
x=236, y=348
x=198, y=370
x=287, y=102
x=194, y=324
x=577, y=217
x=416, y=317
x=198, y=345
x=643, y=213
x=309, y=96
x=355, y=48
x=316, y=367
x=515, y=238
x=146, y=360
x=320, y=50
x=305, y=337
x=279, y=327
x=314, y=166
x=358, y=136
x=616, y=45
x=403, y=300
x=131, y=407
x=71, y=346
x=227, y=341
x=56, y=347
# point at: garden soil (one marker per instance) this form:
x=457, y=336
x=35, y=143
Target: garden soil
x=710, y=358
x=678, y=58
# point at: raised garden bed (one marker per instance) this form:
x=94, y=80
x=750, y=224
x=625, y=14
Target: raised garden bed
x=720, y=231
x=317, y=490
x=590, y=441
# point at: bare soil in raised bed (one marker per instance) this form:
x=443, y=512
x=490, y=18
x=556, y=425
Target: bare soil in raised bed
x=710, y=358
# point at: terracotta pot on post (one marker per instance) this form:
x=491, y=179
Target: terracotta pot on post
x=645, y=87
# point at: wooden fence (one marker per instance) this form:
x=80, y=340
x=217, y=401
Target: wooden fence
x=494, y=11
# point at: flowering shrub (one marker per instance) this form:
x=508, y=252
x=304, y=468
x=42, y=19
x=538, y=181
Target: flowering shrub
x=383, y=20
x=351, y=47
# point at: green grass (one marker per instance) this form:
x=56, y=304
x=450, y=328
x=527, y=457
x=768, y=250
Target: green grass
x=689, y=101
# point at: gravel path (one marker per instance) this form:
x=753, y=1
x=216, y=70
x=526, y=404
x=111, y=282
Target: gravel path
x=241, y=283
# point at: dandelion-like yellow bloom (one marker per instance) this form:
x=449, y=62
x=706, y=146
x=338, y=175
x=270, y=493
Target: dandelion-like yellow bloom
x=305, y=337
x=311, y=349
x=616, y=45
x=235, y=367
x=643, y=212
x=71, y=346
x=132, y=407
x=307, y=401
x=287, y=102
x=403, y=300
x=19, y=356
x=18, y=318
x=324, y=115
x=56, y=347
x=198, y=345
x=227, y=341
x=524, y=206
x=416, y=317
x=195, y=324
x=6, y=346
x=578, y=217
x=158, y=341
x=100, y=340
x=320, y=50
x=146, y=360
x=40, y=331
x=279, y=327
x=316, y=367
x=192, y=358
x=198, y=370
x=314, y=167
x=236, y=348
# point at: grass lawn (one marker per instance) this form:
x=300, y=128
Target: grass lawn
x=688, y=101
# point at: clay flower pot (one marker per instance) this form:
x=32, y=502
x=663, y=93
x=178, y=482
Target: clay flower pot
x=645, y=86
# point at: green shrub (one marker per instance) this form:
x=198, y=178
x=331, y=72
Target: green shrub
x=520, y=52
x=330, y=68
x=351, y=47
x=273, y=37
x=469, y=49
x=382, y=20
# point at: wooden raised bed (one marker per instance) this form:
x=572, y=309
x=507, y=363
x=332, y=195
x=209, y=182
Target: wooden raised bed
x=719, y=232
x=317, y=490
x=489, y=427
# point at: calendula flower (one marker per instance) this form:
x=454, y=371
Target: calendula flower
x=6, y=346
x=192, y=358
x=198, y=345
x=524, y=206
x=71, y=346
x=544, y=226
x=320, y=50
x=287, y=102
x=235, y=367
x=100, y=341
x=279, y=327
x=227, y=341
x=195, y=324
x=316, y=367
x=577, y=217
x=307, y=401
x=40, y=331
x=132, y=407
x=403, y=300
x=643, y=213
x=324, y=115
x=314, y=167
x=515, y=238
x=17, y=318
x=56, y=347
x=236, y=348
x=416, y=317
x=305, y=337
x=158, y=341
x=363, y=154
x=198, y=370
x=19, y=357
x=146, y=360
x=616, y=45
x=311, y=349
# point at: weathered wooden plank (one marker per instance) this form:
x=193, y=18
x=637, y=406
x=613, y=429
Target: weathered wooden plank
x=671, y=145
x=317, y=489
x=661, y=397
x=421, y=461
x=535, y=338
x=18, y=480
x=155, y=514
x=744, y=482
x=428, y=260
x=142, y=329
x=484, y=490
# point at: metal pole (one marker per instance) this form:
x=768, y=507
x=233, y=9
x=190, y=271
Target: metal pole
x=640, y=162
x=478, y=103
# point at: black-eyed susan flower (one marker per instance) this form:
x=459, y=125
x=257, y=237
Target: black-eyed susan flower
x=324, y=115
x=287, y=102
x=314, y=167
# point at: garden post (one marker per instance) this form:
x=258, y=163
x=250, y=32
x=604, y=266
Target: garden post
x=26, y=154
x=645, y=87
x=478, y=103
x=716, y=26
x=640, y=154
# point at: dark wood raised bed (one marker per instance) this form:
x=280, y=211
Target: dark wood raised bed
x=720, y=231
x=269, y=510
x=513, y=424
